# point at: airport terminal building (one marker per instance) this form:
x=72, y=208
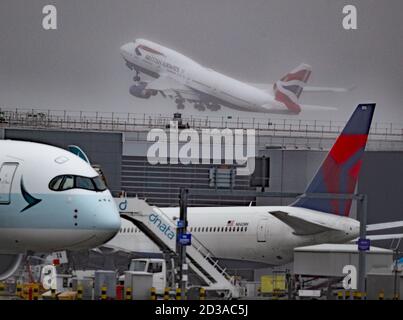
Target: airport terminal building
x=292, y=151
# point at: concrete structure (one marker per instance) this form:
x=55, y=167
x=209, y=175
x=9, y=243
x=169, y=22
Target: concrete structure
x=384, y=281
x=328, y=260
x=140, y=283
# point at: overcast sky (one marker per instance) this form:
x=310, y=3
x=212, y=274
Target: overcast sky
x=78, y=66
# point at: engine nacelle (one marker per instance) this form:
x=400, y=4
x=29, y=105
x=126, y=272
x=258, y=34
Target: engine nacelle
x=9, y=264
x=140, y=91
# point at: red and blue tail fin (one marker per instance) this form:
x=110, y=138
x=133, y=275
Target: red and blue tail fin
x=288, y=89
x=340, y=169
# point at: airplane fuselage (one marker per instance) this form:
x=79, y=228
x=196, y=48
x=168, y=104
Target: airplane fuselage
x=155, y=60
x=248, y=234
x=267, y=234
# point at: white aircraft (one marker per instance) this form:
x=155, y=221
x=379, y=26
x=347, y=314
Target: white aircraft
x=267, y=235
x=50, y=200
x=179, y=77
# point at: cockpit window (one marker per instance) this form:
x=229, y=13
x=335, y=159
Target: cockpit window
x=99, y=183
x=55, y=183
x=84, y=183
x=66, y=182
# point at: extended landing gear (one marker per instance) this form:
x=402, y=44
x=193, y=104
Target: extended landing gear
x=180, y=103
x=199, y=106
x=213, y=106
x=152, y=92
x=137, y=78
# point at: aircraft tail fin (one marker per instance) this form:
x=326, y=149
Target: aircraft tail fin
x=339, y=171
x=288, y=89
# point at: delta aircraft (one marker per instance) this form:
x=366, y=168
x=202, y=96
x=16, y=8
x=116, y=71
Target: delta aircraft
x=50, y=200
x=175, y=75
x=266, y=235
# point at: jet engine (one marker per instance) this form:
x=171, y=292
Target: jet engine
x=9, y=264
x=140, y=91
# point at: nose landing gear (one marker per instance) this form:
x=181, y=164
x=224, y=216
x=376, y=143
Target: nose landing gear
x=137, y=78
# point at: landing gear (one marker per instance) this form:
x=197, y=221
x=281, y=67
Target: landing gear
x=180, y=103
x=213, y=106
x=136, y=78
x=199, y=106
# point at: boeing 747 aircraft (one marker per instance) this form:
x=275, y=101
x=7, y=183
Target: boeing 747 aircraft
x=267, y=235
x=50, y=200
x=174, y=75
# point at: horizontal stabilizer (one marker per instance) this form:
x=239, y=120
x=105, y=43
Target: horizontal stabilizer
x=379, y=237
x=383, y=226
x=301, y=226
x=328, y=89
x=309, y=107
x=267, y=87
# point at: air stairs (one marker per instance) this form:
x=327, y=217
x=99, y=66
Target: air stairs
x=161, y=229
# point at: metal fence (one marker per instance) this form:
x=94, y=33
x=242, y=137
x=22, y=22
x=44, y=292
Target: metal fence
x=131, y=122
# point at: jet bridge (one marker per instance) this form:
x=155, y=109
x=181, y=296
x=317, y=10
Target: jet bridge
x=161, y=229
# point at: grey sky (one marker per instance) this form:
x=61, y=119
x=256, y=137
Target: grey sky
x=78, y=66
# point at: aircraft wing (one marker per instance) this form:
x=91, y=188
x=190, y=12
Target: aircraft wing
x=167, y=86
x=386, y=225
x=164, y=83
x=113, y=248
x=378, y=237
x=300, y=226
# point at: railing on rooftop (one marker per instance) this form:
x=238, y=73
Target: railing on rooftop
x=131, y=122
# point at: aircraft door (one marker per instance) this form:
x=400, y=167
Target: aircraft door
x=261, y=230
x=7, y=171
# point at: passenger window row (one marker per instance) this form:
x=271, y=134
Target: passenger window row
x=218, y=229
x=196, y=229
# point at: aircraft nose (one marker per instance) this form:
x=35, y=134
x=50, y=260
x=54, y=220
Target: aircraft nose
x=127, y=49
x=109, y=217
